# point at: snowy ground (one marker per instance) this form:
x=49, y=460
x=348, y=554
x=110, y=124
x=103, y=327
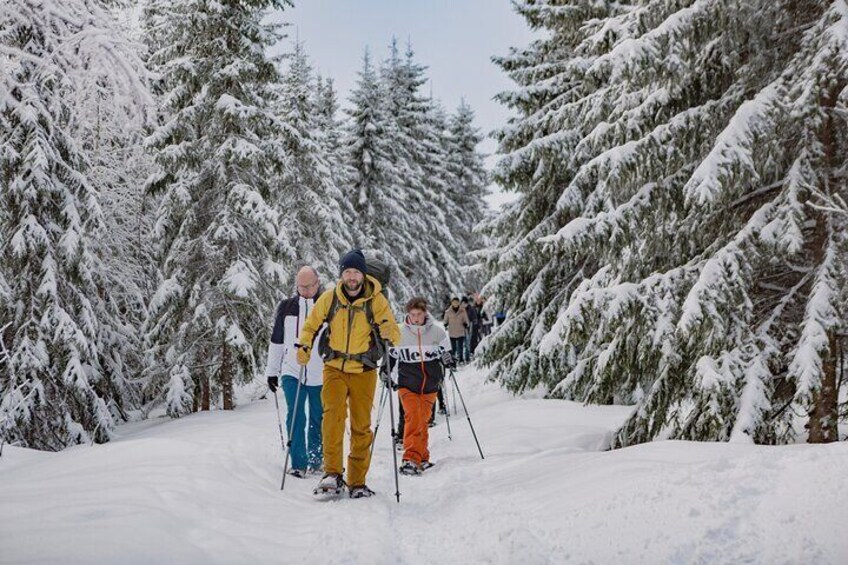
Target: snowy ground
x=205, y=489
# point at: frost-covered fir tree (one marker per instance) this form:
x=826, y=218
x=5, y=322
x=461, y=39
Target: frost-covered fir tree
x=330, y=129
x=62, y=380
x=113, y=113
x=377, y=191
x=223, y=246
x=468, y=181
x=677, y=245
x=312, y=205
x=451, y=243
x=427, y=252
x=406, y=182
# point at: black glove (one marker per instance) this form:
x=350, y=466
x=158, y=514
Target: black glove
x=448, y=360
x=273, y=383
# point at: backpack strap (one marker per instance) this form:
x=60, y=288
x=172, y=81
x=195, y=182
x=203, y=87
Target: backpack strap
x=328, y=354
x=334, y=307
x=369, y=312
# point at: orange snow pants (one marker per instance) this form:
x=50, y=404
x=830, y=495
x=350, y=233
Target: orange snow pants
x=417, y=409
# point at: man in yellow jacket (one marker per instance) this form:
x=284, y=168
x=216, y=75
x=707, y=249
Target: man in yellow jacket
x=350, y=377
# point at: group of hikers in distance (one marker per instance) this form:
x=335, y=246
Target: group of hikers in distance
x=326, y=352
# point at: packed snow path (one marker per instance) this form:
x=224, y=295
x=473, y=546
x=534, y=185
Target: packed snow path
x=205, y=489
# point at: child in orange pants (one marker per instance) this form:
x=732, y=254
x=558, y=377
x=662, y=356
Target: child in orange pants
x=423, y=349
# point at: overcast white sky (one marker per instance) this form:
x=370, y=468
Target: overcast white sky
x=454, y=38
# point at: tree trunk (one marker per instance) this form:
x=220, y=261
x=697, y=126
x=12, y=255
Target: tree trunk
x=226, y=378
x=195, y=397
x=824, y=415
x=204, y=392
x=824, y=411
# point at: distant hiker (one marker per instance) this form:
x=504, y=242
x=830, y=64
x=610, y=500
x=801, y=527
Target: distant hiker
x=351, y=310
x=465, y=303
x=476, y=323
x=306, y=447
x=485, y=319
x=456, y=322
x=418, y=359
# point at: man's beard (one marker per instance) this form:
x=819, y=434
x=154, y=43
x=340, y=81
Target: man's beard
x=353, y=287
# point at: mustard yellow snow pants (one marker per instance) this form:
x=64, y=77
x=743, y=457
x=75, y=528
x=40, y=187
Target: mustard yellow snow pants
x=356, y=392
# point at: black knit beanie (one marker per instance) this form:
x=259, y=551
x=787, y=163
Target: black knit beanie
x=353, y=259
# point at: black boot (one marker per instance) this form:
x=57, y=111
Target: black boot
x=361, y=491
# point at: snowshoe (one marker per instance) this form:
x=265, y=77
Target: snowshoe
x=426, y=465
x=431, y=424
x=299, y=473
x=316, y=470
x=409, y=468
x=331, y=485
x=361, y=491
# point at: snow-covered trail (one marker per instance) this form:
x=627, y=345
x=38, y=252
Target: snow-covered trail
x=205, y=489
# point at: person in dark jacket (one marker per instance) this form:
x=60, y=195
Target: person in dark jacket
x=485, y=319
x=473, y=321
x=417, y=364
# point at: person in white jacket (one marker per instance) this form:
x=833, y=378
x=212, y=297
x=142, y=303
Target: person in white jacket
x=283, y=370
x=419, y=359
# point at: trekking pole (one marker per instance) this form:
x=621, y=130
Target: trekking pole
x=394, y=439
x=387, y=383
x=453, y=376
x=447, y=413
x=379, y=419
x=280, y=423
x=300, y=379
x=453, y=391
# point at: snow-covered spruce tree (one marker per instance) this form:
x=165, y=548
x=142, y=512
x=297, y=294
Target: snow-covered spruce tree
x=311, y=204
x=526, y=284
x=468, y=182
x=405, y=184
x=377, y=192
x=119, y=166
x=113, y=112
x=62, y=380
x=443, y=181
x=427, y=252
x=223, y=246
x=330, y=129
x=668, y=250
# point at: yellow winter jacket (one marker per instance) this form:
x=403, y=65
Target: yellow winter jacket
x=346, y=335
